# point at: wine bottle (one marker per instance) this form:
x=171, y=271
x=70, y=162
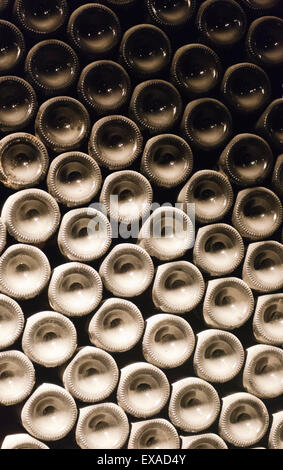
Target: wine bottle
x=143, y=390
x=50, y=413
x=62, y=124
x=246, y=88
x=115, y=142
x=264, y=41
x=75, y=289
x=155, y=433
x=127, y=271
x=246, y=160
x=91, y=376
x=277, y=176
x=267, y=324
x=243, y=419
x=168, y=341
x=41, y=18
x=263, y=266
x=172, y=14
x=257, y=213
x=145, y=50
x=17, y=377
x=22, y=441
x=18, y=103
x=49, y=338
x=116, y=326
x=31, y=216
x=269, y=124
x=219, y=356
x=196, y=69
x=206, y=124
x=24, y=271
x=221, y=22
x=74, y=178
x=94, y=30
x=167, y=234
x=194, y=404
x=210, y=192
x=23, y=160
x=3, y=235
x=263, y=370
x=59, y=70
x=203, y=441
x=12, y=46
x=108, y=417
x=167, y=160
x=178, y=287
x=218, y=249
x=228, y=303
x=84, y=234
x=156, y=106
x=11, y=321
x=275, y=440
x=126, y=196
x=105, y=87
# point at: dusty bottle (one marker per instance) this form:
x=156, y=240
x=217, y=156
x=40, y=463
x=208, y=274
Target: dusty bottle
x=221, y=22
x=57, y=72
x=50, y=413
x=263, y=266
x=107, y=416
x=275, y=440
x=115, y=142
x=3, y=235
x=94, y=30
x=168, y=341
x=228, y=303
x=41, y=18
x=24, y=271
x=62, y=123
x=267, y=321
x=218, y=249
x=74, y=178
x=17, y=377
x=167, y=160
x=23, y=160
x=91, y=376
x=18, y=103
x=178, y=287
x=172, y=14
x=31, y=216
x=75, y=289
x=127, y=271
x=243, y=419
x=246, y=160
x=277, y=176
x=264, y=41
x=196, y=69
x=269, y=124
x=219, y=356
x=143, y=389
x=263, y=371
x=156, y=106
x=11, y=321
x=126, y=196
x=116, y=326
x=155, y=433
x=194, y=404
x=12, y=46
x=104, y=86
x=84, y=234
x=22, y=441
x=49, y=339
x=246, y=88
x=210, y=192
x=203, y=441
x=206, y=124
x=145, y=50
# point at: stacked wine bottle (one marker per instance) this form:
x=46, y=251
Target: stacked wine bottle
x=141, y=255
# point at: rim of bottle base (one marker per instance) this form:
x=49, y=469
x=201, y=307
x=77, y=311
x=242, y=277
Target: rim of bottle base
x=15, y=314
x=168, y=431
x=199, y=442
x=27, y=372
x=13, y=127
x=263, y=302
x=22, y=441
x=21, y=17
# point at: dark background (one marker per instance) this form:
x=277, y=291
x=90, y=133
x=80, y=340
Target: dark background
x=10, y=416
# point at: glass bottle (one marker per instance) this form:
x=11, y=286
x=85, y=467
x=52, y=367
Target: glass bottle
x=172, y=14
x=203, y=441
x=267, y=320
x=22, y=441
x=269, y=124
x=41, y=18
x=12, y=46
x=3, y=235
x=155, y=433
x=17, y=377
x=277, y=176
x=275, y=440
x=264, y=41
x=11, y=321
